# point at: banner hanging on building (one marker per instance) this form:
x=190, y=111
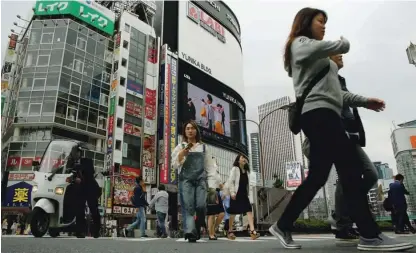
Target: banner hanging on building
x=293, y=175
x=173, y=113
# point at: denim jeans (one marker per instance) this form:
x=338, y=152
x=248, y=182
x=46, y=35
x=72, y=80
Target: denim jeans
x=183, y=211
x=161, y=222
x=141, y=219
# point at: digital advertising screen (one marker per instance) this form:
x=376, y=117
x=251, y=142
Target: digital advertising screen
x=217, y=109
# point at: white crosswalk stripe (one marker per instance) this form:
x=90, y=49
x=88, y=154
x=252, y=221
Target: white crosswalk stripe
x=183, y=240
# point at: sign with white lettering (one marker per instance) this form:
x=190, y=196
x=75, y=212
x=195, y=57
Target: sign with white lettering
x=196, y=63
x=88, y=11
x=207, y=22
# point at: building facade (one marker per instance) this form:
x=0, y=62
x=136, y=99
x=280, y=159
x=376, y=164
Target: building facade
x=280, y=146
x=403, y=140
x=383, y=170
x=201, y=74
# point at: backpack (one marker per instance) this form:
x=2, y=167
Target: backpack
x=388, y=206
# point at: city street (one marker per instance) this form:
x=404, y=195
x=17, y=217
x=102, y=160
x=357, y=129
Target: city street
x=310, y=243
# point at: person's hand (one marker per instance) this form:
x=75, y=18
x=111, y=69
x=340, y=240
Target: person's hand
x=184, y=152
x=77, y=180
x=376, y=104
x=233, y=196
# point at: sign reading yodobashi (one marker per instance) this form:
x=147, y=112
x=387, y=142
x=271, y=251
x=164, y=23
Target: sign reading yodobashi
x=85, y=10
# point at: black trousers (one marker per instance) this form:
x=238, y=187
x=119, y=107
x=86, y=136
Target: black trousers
x=330, y=145
x=403, y=219
x=92, y=201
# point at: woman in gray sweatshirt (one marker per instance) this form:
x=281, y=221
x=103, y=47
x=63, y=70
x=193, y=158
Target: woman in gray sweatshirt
x=306, y=54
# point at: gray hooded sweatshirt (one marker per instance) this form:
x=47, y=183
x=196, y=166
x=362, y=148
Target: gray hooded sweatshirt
x=309, y=56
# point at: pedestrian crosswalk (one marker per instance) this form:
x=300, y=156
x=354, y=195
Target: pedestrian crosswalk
x=300, y=238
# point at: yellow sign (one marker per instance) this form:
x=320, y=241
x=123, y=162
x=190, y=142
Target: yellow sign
x=21, y=195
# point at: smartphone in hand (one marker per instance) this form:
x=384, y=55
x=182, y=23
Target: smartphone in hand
x=189, y=146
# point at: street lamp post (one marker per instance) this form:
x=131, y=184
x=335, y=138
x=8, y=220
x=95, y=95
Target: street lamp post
x=284, y=107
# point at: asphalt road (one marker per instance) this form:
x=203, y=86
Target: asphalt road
x=310, y=243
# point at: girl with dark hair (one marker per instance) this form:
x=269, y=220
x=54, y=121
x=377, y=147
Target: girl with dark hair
x=238, y=187
x=196, y=170
x=306, y=54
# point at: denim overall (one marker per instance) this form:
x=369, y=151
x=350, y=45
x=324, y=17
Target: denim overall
x=193, y=180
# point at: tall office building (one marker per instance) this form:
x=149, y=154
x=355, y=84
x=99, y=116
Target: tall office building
x=403, y=140
x=383, y=170
x=255, y=162
x=278, y=142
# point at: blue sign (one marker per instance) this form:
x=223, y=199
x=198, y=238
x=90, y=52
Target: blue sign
x=135, y=87
x=19, y=195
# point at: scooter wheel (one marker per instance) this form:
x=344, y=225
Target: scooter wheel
x=39, y=223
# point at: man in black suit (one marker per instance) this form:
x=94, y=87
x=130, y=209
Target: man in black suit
x=88, y=192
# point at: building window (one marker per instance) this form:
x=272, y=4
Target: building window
x=103, y=99
x=124, y=62
x=106, y=77
x=39, y=84
x=43, y=60
x=125, y=44
x=75, y=89
x=34, y=109
x=118, y=144
x=127, y=27
x=78, y=66
x=122, y=81
x=121, y=101
x=72, y=113
x=47, y=38
x=119, y=123
x=102, y=122
x=81, y=43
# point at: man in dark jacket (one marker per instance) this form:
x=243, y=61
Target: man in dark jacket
x=355, y=130
x=397, y=197
x=88, y=192
x=140, y=202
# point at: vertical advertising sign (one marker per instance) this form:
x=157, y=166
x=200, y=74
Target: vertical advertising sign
x=166, y=119
x=163, y=169
x=173, y=113
x=293, y=175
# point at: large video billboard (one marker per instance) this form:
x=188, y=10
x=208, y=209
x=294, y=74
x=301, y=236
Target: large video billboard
x=217, y=109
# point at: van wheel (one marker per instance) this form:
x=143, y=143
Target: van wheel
x=53, y=232
x=39, y=223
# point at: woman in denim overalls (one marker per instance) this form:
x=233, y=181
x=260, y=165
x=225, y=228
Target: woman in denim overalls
x=195, y=167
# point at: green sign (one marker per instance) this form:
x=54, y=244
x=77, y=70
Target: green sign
x=112, y=105
x=3, y=100
x=87, y=11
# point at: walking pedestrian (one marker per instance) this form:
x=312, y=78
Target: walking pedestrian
x=140, y=202
x=161, y=204
x=306, y=55
x=355, y=130
x=195, y=166
x=397, y=197
x=226, y=204
x=238, y=185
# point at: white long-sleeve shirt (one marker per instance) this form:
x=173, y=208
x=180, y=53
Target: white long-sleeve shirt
x=213, y=177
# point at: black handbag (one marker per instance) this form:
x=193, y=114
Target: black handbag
x=295, y=108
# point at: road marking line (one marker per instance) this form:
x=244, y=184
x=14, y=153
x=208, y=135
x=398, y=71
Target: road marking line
x=183, y=240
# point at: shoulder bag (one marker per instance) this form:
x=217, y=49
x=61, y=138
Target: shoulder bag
x=295, y=108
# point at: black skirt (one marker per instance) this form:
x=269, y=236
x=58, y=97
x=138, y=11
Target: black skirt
x=241, y=205
x=215, y=209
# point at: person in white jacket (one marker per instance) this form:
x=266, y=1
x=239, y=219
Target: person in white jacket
x=238, y=185
x=197, y=171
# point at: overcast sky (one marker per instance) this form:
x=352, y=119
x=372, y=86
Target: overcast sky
x=377, y=65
